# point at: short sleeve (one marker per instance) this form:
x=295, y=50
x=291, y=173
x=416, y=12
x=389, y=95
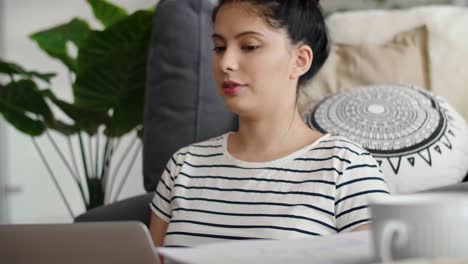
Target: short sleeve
x=362, y=179
x=161, y=203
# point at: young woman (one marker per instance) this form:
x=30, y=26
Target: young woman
x=274, y=178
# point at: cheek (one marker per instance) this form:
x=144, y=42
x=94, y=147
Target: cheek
x=217, y=73
x=280, y=64
x=271, y=68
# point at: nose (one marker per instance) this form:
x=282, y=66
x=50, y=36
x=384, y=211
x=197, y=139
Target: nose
x=228, y=61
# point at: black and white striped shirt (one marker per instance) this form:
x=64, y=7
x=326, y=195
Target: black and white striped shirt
x=208, y=196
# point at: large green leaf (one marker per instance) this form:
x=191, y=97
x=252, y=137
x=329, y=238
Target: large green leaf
x=85, y=119
x=135, y=28
x=54, y=40
x=20, y=121
x=112, y=72
x=62, y=127
x=26, y=97
x=116, y=83
x=14, y=69
x=23, y=106
x=127, y=115
x=106, y=12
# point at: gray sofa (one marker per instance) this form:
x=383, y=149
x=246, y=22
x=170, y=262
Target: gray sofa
x=181, y=103
x=131, y=209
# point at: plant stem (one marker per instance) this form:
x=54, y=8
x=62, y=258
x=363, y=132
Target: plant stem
x=96, y=166
x=72, y=154
x=127, y=173
x=77, y=171
x=119, y=164
x=90, y=156
x=83, y=157
x=104, y=157
x=54, y=179
x=107, y=159
x=111, y=149
x=54, y=144
x=75, y=177
x=107, y=167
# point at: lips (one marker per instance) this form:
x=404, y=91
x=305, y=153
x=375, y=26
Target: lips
x=231, y=88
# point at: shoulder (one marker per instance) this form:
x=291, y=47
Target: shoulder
x=343, y=151
x=331, y=153
x=214, y=142
x=341, y=145
x=207, y=148
x=358, y=159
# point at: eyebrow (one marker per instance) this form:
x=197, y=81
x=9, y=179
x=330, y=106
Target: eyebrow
x=215, y=35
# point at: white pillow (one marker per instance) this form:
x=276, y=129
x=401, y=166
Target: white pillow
x=418, y=139
x=448, y=42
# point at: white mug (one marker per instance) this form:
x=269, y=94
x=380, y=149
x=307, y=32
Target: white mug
x=426, y=225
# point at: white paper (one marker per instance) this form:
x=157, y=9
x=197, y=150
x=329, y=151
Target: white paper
x=349, y=248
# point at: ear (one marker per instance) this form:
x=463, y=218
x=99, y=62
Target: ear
x=303, y=57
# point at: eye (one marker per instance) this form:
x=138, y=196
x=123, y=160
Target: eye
x=250, y=47
x=219, y=49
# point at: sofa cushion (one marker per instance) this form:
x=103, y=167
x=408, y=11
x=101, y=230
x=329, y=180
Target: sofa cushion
x=419, y=140
x=182, y=105
x=130, y=209
x=447, y=42
x=403, y=59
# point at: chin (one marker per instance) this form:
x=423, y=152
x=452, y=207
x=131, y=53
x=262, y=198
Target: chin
x=232, y=104
x=238, y=106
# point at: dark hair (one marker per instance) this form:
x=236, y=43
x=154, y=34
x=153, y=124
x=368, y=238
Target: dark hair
x=304, y=22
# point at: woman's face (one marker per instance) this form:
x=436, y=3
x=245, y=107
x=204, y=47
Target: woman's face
x=252, y=62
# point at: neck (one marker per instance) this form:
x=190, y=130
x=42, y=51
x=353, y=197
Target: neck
x=270, y=135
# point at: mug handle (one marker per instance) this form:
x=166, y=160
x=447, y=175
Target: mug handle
x=392, y=228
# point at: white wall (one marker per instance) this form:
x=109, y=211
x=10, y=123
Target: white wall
x=3, y=147
x=3, y=151
x=38, y=201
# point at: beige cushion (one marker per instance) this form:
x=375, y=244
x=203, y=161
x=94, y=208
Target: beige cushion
x=402, y=60
x=448, y=42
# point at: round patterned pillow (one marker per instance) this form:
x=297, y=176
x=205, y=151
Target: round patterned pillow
x=418, y=139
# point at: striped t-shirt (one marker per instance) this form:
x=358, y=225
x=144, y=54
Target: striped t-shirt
x=207, y=195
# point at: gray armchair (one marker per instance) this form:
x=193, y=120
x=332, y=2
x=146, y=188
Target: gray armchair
x=131, y=209
x=181, y=103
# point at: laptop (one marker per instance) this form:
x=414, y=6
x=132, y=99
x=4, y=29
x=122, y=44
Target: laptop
x=79, y=243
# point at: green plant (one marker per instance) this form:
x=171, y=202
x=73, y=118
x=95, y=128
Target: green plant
x=107, y=78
